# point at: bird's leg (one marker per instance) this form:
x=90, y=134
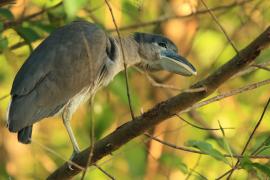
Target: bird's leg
x=66, y=116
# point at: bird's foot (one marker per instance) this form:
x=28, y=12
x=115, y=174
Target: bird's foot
x=74, y=153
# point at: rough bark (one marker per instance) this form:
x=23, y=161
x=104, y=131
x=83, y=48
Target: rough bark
x=167, y=108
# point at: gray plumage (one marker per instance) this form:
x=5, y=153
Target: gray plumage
x=72, y=64
x=50, y=76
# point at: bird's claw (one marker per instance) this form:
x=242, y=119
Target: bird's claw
x=74, y=153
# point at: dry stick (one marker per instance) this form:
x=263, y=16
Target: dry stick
x=228, y=94
x=106, y=173
x=198, y=127
x=166, y=109
x=220, y=26
x=250, y=137
x=124, y=59
x=203, y=153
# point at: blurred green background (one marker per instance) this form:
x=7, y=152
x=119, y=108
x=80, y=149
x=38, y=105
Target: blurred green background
x=199, y=39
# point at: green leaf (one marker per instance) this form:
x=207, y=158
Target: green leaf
x=264, y=168
x=226, y=144
x=267, y=141
x=208, y=149
x=3, y=43
x=246, y=163
x=72, y=6
x=28, y=33
x=173, y=161
x=199, y=176
x=6, y=14
x=129, y=6
x=221, y=128
x=44, y=27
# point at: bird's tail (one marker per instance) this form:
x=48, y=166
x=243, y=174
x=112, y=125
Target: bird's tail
x=25, y=134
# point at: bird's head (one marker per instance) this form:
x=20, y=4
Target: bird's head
x=159, y=53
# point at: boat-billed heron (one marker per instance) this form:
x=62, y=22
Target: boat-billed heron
x=69, y=67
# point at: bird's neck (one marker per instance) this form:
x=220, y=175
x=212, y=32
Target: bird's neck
x=130, y=54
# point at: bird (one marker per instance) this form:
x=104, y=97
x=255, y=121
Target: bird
x=72, y=64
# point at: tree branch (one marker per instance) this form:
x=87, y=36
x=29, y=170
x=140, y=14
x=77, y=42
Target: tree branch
x=166, y=109
x=181, y=148
x=14, y=23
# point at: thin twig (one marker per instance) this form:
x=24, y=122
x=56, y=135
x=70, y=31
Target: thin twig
x=223, y=175
x=171, y=87
x=220, y=26
x=250, y=69
x=198, y=127
x=203, y=153
x=124, y=59
x=250, y=137
x=261, y=67
x=164, y=19
x=194, y=167
x=228, y=94
x=57, y=154
x=10, y=24
x=104, y=172
x=233, y=35
x=258, y=149
x=154, y=83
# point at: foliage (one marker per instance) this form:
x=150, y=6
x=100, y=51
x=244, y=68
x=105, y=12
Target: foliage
x=198, y=37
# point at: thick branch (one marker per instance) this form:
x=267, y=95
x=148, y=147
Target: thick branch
x=166, y=109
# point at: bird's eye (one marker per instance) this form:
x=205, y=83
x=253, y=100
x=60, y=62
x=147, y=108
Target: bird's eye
x=162, y=44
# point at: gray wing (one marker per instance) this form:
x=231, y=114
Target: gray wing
x=65, y=63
